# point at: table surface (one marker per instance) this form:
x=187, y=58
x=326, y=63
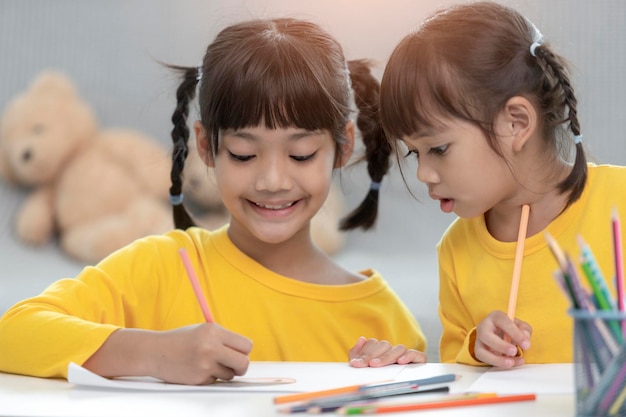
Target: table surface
x=28, y=396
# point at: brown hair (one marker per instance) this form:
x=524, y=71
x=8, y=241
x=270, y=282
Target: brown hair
x=282, y=73
x=466, y=62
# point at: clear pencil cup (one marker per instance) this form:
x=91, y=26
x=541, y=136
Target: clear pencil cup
x=599, y=363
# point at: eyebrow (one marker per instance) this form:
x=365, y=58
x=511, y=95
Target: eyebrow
x=422, y=134
x=251, y=137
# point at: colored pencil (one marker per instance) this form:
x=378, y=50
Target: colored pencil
x=193, y=278
x=619, y=265
x=605, y=297
x=562, y=261
x=362, y=399
x=304, y=396
x=356, y=409
x=517, y=266
x=619, y=402
x=351, y=389
x=614, y=391
x=366, y=395
x=438, y=379
x=480, y=399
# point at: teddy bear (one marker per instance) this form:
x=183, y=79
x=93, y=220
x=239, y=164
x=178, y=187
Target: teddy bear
x=94, y=189
x=203, y=201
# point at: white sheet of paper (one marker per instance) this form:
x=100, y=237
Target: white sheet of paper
x=261, y=377
x=557, y=378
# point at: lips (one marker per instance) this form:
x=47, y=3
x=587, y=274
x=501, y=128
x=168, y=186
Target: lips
x=446, y=204
x=435, y=196
x=275, y=206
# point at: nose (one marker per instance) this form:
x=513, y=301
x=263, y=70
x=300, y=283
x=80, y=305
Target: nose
x=274, y=175
x=427, y=174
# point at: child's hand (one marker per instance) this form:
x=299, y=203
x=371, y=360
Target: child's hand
x=490, y=346
x=201, y=354
x=374, y=353
x=193, y=355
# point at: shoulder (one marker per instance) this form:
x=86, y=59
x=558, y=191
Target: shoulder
x=606, y=178
x=605, y=171
x=461, y=230
x=160, y=247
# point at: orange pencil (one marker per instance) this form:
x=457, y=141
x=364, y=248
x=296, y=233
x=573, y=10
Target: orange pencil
x=193, y=278
x=303, y=396
x=517, y=266
x=479, y=400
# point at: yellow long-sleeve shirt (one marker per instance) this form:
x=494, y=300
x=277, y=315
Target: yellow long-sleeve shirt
x=145, y=286
x=475, y=272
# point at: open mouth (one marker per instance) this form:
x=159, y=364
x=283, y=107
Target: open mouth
x=275, y=206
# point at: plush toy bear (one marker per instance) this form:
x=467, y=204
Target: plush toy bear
x=97, y=190
x=202, y=199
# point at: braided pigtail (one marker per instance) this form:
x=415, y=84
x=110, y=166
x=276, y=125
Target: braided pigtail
x=180, y=137
x=377, y=148
x=553, y=67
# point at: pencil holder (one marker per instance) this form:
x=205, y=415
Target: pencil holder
x=600, y=363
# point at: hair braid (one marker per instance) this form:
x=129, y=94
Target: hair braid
x=180, y=137
x=575, y=181
x=377, y=148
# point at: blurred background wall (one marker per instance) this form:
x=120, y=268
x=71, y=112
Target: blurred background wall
x=111, y=48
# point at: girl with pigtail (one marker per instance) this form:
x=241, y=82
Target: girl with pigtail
x=275, y=104
x=487, y=107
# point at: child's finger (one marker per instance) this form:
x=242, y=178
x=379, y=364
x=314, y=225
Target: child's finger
x=412, y=356
x=370, y=350
x=485, y=355
x=388, y=357
x=356, y=349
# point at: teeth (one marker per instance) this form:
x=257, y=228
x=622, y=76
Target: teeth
x=283, y=206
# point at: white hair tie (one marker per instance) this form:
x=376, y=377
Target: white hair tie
x=537, y=38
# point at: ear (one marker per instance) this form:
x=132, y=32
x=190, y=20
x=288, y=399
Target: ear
x=203, y=144
x=347, y=147
x=517, y=121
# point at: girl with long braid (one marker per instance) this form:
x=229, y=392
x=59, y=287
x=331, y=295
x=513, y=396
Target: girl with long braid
x=275, y=122
x=486, y=106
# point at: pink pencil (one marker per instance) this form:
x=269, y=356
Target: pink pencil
x=619, y=265
x=193, y=278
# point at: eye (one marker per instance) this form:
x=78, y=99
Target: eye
x=239, y=158
x=303, y=158
x=439, y=150
x=414, y=152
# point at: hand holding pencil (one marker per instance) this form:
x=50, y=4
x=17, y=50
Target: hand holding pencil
x=498, y=336
x=490, y=346
x=200, y=354
x=196, y=354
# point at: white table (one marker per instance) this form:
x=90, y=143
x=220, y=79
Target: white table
x=27, y=396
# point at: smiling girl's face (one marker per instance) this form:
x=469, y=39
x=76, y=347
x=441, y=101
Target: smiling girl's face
x=272, y=181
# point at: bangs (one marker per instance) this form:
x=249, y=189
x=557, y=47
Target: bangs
x=419, y=91
x=276, y=85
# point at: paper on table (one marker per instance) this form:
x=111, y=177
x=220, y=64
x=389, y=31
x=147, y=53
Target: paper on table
x=556, y=378
x=288, y=377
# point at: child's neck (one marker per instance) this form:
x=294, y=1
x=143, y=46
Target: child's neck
x=503, y=220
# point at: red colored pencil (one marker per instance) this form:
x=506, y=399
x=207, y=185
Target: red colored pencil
x=479, y=400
